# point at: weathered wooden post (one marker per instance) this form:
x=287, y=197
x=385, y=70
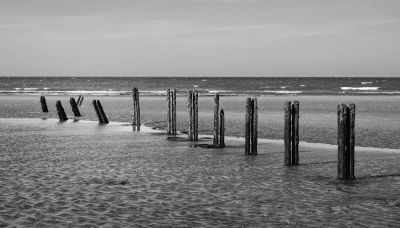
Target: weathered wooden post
x=44, y=104
x=251, y=133
x=247, y=127
x=346, y=141
x=216, y=121
x=61, y=112
x=291, y=132
x=74, y=107
x=254, y=135
x=169, y=113
x=196, y=115
x=295, y=132
x=134, y=121
x=190, y=110
x=102, y=113
x=96, y=108
x=174, y=112
x=287, y=132
x=222, y=129
x=136, y=108
x=80, y=101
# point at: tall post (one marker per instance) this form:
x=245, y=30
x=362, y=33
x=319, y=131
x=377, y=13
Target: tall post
x=254, y=133
x=196, y=116
x=43, y=104
x=287, y=132
x=352, y=115
x=169, y=117
x=222, y=129
x=101, y=111
x=295, y=133
x=346, y=141
x=74, y=107
x=174, y=112
x=137, y=110
x=134, y=120
x=97, y=110
x=247, y=127
x=216, y=121
x=190, y=109
x=60, y=111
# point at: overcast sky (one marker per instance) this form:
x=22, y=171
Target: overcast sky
x=200, y=37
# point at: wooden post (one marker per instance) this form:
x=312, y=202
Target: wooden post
x=352, y=115
x=96, y=108
x=137, y=110
x=174, y=112
x=346, y=141
x=60, y=111
x=287, y=132
x=295, y=133
x=74, y=107
x=190, y=109
x=254, y=133
x=80, y=101
x=216, y=121
x=102, y=113
x=247, y=127
x=44, y=104
x=196, y=115
x=134, y=120
x=169, y=116
x=222, y=129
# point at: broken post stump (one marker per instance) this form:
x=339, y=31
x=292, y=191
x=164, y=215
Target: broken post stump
x=216, y=121
x=102, y=113
x=43, y=104
x=97, y=110
x=250, y=147
x=74, y=107
x=346, y=141
x=60, y=111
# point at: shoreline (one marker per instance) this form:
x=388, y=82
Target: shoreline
x=204, y=137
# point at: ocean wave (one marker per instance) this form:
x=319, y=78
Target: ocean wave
x=359, y=88
x=283, y=91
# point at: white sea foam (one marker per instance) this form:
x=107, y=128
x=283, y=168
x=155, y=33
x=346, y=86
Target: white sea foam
x=366, y=83
x=359, y=88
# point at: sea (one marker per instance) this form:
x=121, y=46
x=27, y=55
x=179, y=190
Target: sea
x=232, y=86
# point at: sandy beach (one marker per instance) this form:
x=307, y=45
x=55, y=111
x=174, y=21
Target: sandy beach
x=81, y=173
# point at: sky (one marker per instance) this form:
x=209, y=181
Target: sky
x=200, y=38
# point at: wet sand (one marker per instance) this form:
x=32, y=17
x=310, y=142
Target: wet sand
x=81, y=173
